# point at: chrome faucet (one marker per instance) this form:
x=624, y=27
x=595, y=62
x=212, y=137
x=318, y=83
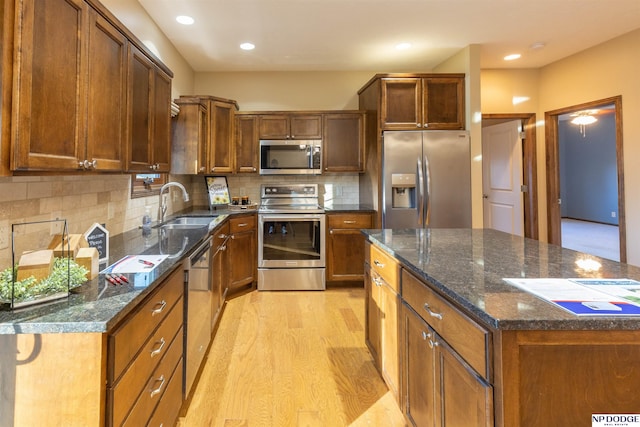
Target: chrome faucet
x=162, y=209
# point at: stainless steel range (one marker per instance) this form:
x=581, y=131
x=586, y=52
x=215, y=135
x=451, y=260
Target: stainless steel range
x=291, y=246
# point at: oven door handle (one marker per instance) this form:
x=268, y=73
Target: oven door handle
x=291, y=217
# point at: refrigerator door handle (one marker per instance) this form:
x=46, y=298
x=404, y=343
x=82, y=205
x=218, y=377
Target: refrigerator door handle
x=420, y=192
x=427, y=191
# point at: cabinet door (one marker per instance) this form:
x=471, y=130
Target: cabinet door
x=247, y=143
x=345, y=254
x=418, y=374
x=343, y=142
x=401, y=104
x=141, y=80
x=372, y=315
x=161, y=133
x=189, y=136
x=305, y=126
x=242, y=254
x=220, y=146
x=389, y=338
x=49, y=109
x=466, y=399
x=274, y=126
x=443, y=103
x=107, y=95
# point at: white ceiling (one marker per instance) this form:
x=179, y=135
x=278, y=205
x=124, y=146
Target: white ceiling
x=360, y=35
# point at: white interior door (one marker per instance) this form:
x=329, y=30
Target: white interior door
x=502, y=177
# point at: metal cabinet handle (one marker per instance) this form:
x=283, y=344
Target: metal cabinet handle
x=433, y=344
x=161, y=307
x=349, y=221
x=202, y=169
x=244, y=224
x=432, y=313
x=222, y=236
x=425, y=335
x=254, y=169
x=158, y=350
x=377, y=281
x=159, y=389
x=378, y=263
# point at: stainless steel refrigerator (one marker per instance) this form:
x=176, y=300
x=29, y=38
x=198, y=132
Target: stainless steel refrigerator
x=426, y=179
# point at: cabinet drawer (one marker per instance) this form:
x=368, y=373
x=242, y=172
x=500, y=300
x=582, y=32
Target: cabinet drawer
x=464, y=335
x=243, y=223
x=384, y=265
x=349, y=220
x=134, y=378
x=166, y=413
x=129, y=337
x=154, y=390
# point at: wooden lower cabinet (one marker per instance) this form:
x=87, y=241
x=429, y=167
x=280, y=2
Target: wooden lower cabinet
x=219, y=272
x=242, y=251
x=381, y=316
x=346, y=245
x=439, y=388
x=146, y=357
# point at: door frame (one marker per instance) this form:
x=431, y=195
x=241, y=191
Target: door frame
x=554, y=230
x=529, y=169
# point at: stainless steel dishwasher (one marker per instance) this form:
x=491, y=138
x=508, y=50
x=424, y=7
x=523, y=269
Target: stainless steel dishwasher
x=198, y=317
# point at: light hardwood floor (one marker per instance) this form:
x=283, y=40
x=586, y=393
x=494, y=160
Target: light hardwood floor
x=292, y=359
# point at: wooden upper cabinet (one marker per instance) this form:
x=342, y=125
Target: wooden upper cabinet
x=247, y=143
x=48, y=102
x=221, y=120
x=189, y=138
x=290, y=126
x=107, y=95
x=443, y=103
x=416, y=103
x=401, y=108
x=149, y=115
x=161, y=142
x=343, y=142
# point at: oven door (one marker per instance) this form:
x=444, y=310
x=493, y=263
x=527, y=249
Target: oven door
x=291, y=240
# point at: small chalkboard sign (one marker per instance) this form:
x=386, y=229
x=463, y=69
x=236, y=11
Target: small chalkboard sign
x=98, y=237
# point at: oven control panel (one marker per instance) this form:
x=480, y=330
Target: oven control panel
x=297, y=190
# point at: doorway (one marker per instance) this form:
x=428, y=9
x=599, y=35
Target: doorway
x=529, y=181
x=556, y=209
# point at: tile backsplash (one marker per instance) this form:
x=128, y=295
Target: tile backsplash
x=341, y=188
x=106, y=199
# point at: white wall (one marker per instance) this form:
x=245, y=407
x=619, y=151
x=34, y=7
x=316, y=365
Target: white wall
x=609, y=69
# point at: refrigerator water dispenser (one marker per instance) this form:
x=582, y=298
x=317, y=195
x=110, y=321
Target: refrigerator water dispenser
x=403, y=190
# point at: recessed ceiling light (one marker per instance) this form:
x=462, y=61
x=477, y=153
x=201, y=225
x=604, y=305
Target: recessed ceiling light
x=537, y=46
x=512, y=57
x=403, y=46
x=247, y=46
x=185, y=20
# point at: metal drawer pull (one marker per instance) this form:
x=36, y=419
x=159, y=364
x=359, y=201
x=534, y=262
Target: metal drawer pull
x=244, y=224
x=433, y=344
x=222, y=236
x=432, y=313
x=159, y=389
x=160, y=347
x=377, y=281
x=349, y=221
x=425, y=335
x=161, y=307
x=378, y=263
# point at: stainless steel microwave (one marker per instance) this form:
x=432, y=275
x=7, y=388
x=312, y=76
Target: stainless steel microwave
x=291, y=157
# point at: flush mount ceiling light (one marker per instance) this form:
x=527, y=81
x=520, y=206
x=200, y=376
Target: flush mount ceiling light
x=583, y=119
x=185, y=20
x=512, y=57
x=403, y=46
x=247, y=46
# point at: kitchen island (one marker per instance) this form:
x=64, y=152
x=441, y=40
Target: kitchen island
x=473, y=349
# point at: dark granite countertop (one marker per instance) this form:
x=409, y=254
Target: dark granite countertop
x=98, y=306
x=468, y=267
x=347, y=207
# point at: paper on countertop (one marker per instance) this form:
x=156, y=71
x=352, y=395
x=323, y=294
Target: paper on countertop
x=136, y=264
x=603, y=297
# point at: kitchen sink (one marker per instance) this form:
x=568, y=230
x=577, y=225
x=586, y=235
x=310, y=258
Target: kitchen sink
x=186, y=222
